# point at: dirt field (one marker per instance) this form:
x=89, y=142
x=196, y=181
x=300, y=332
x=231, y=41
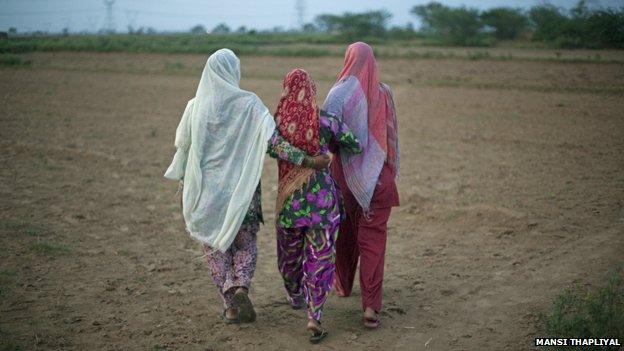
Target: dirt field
x=512, y=188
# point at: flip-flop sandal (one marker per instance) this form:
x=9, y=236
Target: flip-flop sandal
x=318, y=335
x=228, y=320
x=372, y=323
x=246, y=312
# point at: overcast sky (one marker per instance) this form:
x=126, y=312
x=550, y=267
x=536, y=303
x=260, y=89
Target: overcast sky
x=180, y=15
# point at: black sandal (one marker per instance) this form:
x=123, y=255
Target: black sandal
x=246, y=312
x=228, y=320
x=318, y=335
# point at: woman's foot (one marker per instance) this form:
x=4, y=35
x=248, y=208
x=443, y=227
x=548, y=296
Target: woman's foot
x=246, y=312
x=230, y=315
x=339, y=290
x=297, y=302
x=318, y=333
x=371, y=318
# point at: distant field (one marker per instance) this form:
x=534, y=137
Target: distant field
x=300, y=45
x=511, y=190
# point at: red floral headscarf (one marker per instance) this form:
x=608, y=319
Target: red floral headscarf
x=297, y=120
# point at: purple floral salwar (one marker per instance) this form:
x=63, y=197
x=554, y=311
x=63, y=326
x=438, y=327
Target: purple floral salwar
x=306, y=261
x=307, y=226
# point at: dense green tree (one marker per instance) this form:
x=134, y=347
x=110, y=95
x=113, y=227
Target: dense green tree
x=198, y=29
x=582, y=27
x=548, y=22
x=221, y=28
x=508, y=23
x=309, y=28
x=355, y=25
x=459, y=25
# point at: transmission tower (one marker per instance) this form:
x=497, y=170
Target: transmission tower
x=300, y=7
x=110, y=23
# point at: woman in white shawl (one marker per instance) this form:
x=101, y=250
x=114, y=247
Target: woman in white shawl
x=221, y=142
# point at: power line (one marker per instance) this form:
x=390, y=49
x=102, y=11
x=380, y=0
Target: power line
x=206, y=15
x=145, y=12
x=27, y=13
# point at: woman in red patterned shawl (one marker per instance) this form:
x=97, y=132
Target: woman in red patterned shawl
x=308, y=201
x=367, y=180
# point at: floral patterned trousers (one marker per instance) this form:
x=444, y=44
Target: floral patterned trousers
x=236, y=266
x=305, y=258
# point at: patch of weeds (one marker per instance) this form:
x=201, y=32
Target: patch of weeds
x=47, y=248
x=95, y=134
x=594, y=58
x=569, y=186
x=33, y=231
x=48, y=165
x=7, y=275
x=13, y=60
x=478, y=55
x=21, y=227
x=297, y=51
x=588, y=313
x=8, y=278
x=153, y=132
x=9, y=224
x=429, y=54
x=454, y=83
x=8, y=345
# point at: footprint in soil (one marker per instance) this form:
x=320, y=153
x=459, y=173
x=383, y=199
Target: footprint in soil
x=429, y=252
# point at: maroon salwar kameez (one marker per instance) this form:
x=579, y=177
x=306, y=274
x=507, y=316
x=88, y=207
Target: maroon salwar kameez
x=363, y=236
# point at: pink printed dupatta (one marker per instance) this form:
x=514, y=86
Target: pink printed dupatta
x=367, y=107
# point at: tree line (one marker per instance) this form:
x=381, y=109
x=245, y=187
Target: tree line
x=580, y=27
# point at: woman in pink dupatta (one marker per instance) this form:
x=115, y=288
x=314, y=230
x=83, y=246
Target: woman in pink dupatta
x=367, y=180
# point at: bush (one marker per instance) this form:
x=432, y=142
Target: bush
x=507, y=23
x=582, y=28
x=12, y=60
x=459, y=26
x=174, y=43
x=355, y=26
x=578, y=313
x=548, y=22
x=605, y=28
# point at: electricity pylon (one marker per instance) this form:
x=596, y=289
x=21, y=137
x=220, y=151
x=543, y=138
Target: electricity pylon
x=110, y=24
x=300, y=7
